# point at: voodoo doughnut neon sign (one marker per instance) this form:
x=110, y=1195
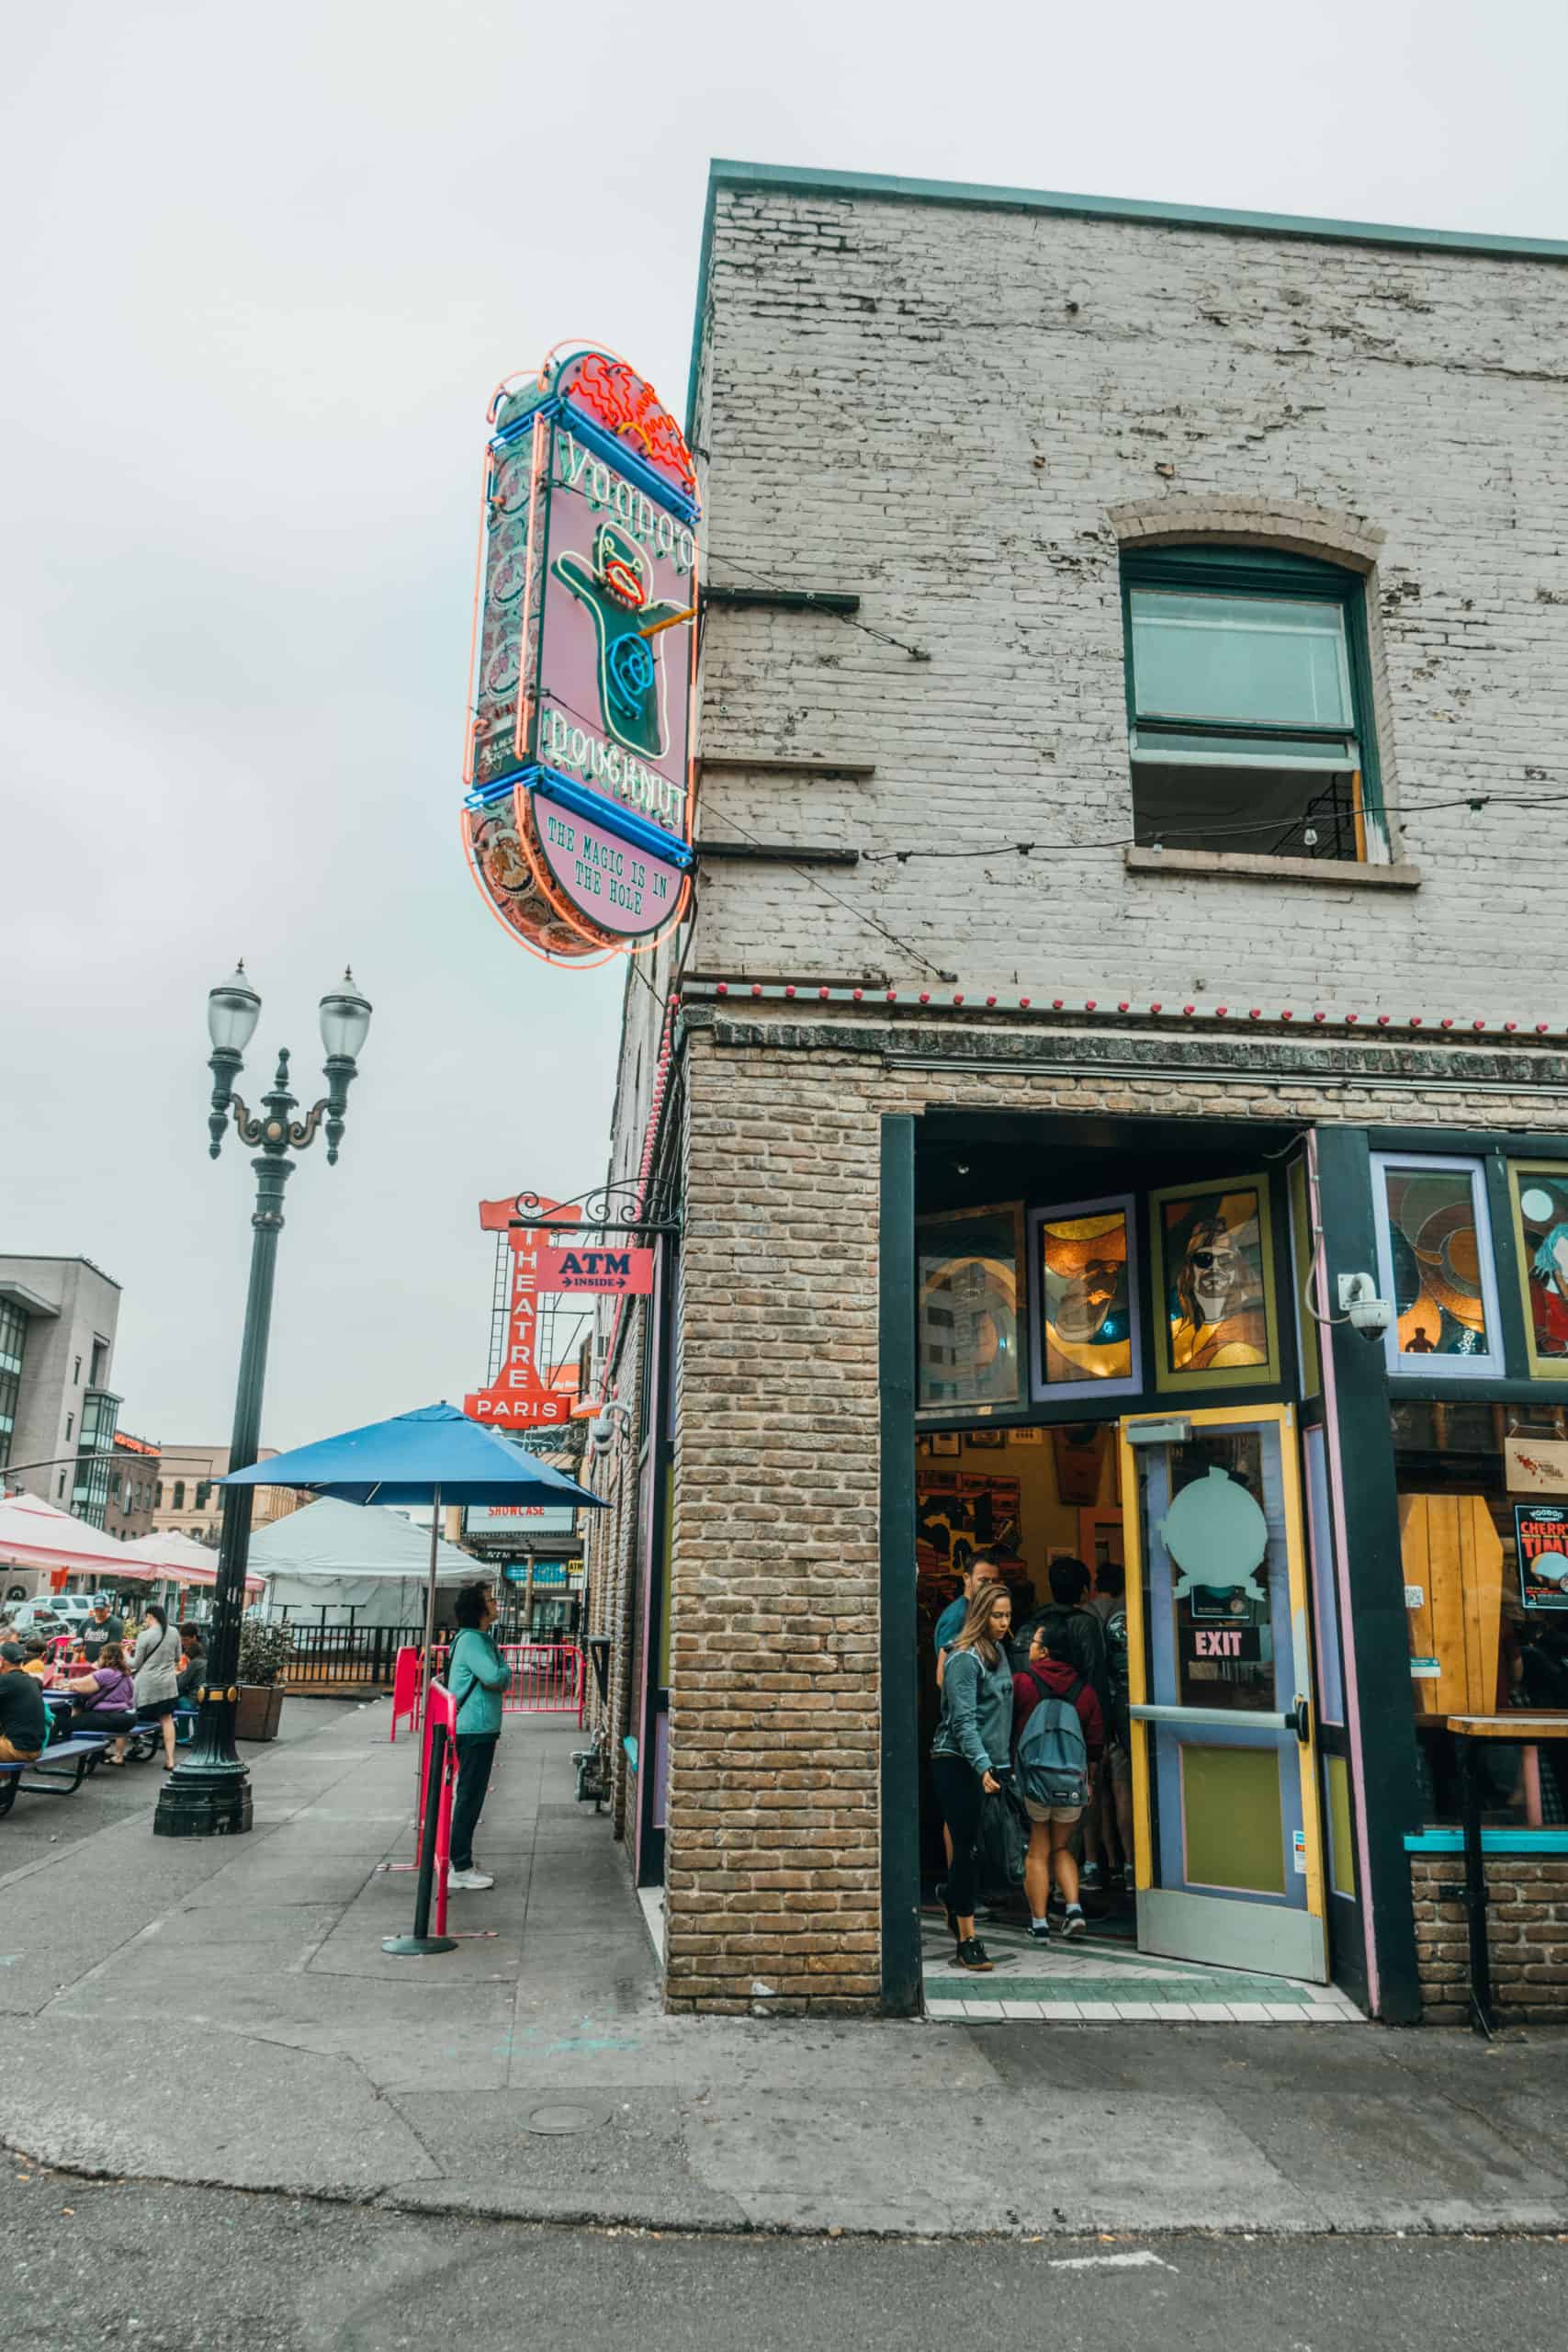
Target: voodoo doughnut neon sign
x=577, y=811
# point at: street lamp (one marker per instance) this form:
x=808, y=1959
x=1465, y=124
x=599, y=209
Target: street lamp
x=208, y=1794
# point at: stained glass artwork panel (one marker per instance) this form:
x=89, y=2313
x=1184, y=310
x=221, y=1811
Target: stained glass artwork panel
x=1439, y=1280
x=1086, y=1271
x=1540, y=1210
x=1214, y=1285
x=967, y=1321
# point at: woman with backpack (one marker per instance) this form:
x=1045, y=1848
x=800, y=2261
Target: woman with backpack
x=971, y=1747
x=1061, y=1737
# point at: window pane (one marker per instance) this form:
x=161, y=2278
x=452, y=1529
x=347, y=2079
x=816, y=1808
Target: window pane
x=968, y=1332
x=1250, y=812
x=1438, y=1292
x=1266, y=661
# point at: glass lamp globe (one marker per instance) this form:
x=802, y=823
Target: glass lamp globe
x=345, y=1019
x=233, y=1008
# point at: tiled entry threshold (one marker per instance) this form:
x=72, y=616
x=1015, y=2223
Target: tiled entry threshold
x=1101, y=1981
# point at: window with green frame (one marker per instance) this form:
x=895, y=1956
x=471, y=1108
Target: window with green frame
x=1249, y=704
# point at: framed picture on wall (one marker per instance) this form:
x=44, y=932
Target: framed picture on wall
x=1539, y=1190
x=944, y=1442
x=1083, y=1271
x=993, y=1439
x=1215, y=1324
x=1434, y=1262
x=968, y=1319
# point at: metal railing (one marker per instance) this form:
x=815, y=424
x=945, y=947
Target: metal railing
x=360, y=1656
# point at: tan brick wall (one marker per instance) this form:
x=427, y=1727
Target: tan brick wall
x=1526, y=1928
x=774, y=1801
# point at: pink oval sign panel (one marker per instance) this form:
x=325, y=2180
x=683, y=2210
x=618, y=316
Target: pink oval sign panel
x=578, y=813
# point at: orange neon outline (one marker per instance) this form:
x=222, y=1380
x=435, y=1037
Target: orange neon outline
x=472, y=731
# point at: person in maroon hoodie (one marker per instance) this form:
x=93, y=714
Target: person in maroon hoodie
x=1051, y=1674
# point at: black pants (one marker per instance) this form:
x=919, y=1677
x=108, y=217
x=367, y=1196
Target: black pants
x=959, y=1799
x=476, y=1754
x=110, y=1719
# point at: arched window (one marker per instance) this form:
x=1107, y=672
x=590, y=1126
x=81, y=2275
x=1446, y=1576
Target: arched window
x=1249, y=704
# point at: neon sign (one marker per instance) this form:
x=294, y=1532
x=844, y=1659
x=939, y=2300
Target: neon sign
x=578, y=814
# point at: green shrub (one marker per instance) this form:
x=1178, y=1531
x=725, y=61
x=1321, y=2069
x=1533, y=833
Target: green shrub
x=263, y=1651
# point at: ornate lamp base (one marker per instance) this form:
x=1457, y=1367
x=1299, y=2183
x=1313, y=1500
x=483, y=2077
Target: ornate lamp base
x=204, y=1801
x=417, y=1947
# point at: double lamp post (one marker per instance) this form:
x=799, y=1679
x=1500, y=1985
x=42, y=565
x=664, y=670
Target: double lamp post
x=208, y=1794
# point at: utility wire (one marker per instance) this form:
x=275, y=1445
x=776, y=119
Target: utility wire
x=905, y=946
x=850, y=620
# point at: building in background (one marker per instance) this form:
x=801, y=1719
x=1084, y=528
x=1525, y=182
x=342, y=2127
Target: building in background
x=1132, y=700
x=133, y=1487
x=533, y=1551
x=58, y=1405
x=187, y=1499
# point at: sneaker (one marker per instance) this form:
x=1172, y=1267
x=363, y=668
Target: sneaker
x=972, y=1954
x=1074, y=1924
x=469, y=1881
x=1040, y=1931
x=1090, y=1877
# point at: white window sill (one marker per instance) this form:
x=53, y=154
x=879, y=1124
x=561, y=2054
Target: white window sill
x=1331, y=873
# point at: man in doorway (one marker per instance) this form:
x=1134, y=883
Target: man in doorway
x=101, y=1626
x=984, y=1568
x=1114, y=1789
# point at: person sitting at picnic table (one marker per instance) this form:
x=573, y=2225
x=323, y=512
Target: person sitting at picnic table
x=39, y=1663
x=106, y=1697
x=193, y=1664
x=23, y=1718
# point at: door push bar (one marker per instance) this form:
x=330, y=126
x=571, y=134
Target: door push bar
x=1298, y=1718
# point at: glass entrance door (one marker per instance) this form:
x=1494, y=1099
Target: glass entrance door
x=1228, y=1847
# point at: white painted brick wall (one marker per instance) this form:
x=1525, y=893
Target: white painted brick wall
x=943, y=409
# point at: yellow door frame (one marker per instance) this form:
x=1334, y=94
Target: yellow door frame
x=1283, y=1419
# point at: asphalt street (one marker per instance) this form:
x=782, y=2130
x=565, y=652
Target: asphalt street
x=215, y=2270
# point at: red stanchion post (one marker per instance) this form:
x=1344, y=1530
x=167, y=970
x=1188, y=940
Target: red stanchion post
x=439, y=1744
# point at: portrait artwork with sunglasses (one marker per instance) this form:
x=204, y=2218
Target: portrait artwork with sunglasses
x=1214, y=1258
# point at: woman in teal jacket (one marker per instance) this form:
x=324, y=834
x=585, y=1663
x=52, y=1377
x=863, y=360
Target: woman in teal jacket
x=477, y=1674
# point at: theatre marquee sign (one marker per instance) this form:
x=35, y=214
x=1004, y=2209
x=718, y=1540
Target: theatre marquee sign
x=578, y=813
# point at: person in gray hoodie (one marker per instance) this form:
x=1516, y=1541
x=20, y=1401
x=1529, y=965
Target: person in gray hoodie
x=973, y=1740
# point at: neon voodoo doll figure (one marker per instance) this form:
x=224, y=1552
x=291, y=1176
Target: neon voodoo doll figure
x=631, y=661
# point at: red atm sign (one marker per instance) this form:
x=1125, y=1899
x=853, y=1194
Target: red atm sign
x=610, y=1273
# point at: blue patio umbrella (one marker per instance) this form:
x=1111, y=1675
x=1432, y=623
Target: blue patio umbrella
x=435, y=1455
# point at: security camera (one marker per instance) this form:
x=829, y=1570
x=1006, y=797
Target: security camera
x=1359, y=1302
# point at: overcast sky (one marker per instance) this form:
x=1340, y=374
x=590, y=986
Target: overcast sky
x=265, y=267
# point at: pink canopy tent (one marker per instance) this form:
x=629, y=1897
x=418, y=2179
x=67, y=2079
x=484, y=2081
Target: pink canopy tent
x=35, y=1534
x=176, y=1557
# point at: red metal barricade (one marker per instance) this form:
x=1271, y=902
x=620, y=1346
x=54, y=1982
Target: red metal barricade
x=544, y=1677
x=443, y=1711
x=405, y=1689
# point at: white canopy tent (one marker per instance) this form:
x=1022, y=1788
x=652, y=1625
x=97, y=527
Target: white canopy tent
x=358, y=1564
x=174, y=1556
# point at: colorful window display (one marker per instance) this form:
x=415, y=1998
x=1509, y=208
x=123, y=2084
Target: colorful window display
x=1540, y=1229
x=1085, y=1267
x=968, y=1311
x=1214, y=1285
x=1435, y=1261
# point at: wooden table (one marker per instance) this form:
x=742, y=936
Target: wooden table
x=1524, y=1729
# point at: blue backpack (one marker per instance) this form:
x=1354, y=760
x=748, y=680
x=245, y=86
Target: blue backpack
x=1051, y=1759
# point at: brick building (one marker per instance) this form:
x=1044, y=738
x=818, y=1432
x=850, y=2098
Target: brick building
x=1135, y=678
x=133, y=1483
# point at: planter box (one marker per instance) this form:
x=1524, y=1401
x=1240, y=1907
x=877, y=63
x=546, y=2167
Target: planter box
x=259, y=1709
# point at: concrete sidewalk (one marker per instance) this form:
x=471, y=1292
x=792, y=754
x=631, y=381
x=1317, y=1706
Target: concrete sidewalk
x=223, y=2013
